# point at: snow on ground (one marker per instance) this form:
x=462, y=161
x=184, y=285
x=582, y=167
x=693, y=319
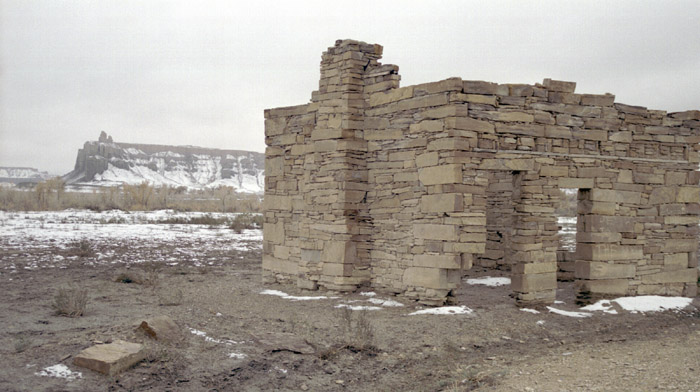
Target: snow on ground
x=641, y=304
x=60, y=371
x=118, y=237
x=528, y=310
x=444, y=310
x=568, y=313
x=292, y=297
x=357, y=307
x=489, y=281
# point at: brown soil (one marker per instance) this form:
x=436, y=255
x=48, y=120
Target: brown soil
x=497, y=348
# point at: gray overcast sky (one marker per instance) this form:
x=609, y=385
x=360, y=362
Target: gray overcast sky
x=202, y=72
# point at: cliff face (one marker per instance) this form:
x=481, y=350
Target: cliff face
x=18, y=175
x=106, y=163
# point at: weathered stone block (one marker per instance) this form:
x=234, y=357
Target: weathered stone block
x=597, y=100
x=688, y=275
x=434, y=278
x=111, y=358
x=398, y=94
x=687, y=194
x=339, y=251
x=469, y=124
x=674, y=245
x=604, y=286
x=559, y=85
x=525, y=283
x=273, y=232
x=435, y=232
x=580, y=183
x=534, y=268
x=507, y=164
x=427, y=159
x=600, y=270
x=675, y=261
x=437, y=261
x=274, y=202
x=446, y=202
x=443, y=174
x=607, y=252
x=481, y=87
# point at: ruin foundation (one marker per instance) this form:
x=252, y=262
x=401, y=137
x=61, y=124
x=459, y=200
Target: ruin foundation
x=402, y=189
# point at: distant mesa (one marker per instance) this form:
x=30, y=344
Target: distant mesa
x=22, y=175
x=108, y=163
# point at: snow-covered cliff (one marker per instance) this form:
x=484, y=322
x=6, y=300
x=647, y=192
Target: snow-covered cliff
x=106, y=163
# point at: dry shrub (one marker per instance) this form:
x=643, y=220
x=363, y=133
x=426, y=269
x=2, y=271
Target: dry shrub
x=357, y=328
x=246, y=222
x=70, y=301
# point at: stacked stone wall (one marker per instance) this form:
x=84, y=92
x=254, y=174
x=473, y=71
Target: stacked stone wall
x=403, y=189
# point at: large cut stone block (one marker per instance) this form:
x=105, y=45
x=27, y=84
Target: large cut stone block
x=339, y=251
x=596, y=207
x=608, y=252
x=398, y=94
x=435, y=232
x=432, y=278
x=525, y=283
x=559, y=85
x=275, y=202
x=604, y=286
x=445, y=202
x=443, y=174
x=580, y=183
x=673, y=245
x=469, y=124
x=534, y=268
x=437, y=261
x=273, y=232
x=599, y=270
x=688, y=275
x=507, y=164
x=274, y=166
x=111, y=358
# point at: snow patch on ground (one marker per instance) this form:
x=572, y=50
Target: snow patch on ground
x=489, y=281
x=212, y=340
x=641, y=304
x=385, y=302
x=567, y=313
x=444, y=310
x=357, y=307
x=237, y=355
x=368, y=294
x=292, y=297
x=60, y=371
x=533, y=311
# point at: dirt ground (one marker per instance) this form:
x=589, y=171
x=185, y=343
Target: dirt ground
x=496, y=348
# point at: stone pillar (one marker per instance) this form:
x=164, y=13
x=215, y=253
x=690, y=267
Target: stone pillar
x=534, y=241
x=335, y=171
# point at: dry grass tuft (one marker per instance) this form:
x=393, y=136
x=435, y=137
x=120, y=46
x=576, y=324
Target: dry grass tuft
x=70, y=301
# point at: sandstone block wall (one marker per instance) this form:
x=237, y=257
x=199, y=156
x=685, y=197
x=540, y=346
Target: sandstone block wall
x=403, y=188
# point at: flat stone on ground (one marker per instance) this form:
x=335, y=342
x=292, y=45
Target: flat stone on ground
x=111, y=358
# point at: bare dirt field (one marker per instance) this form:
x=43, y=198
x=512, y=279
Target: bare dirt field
x=237, y=337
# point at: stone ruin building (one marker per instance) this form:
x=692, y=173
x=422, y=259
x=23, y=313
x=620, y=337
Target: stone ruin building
x=402, y=189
